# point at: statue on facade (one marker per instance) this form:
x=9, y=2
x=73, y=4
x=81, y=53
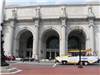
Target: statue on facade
x=63, y=12
x=38, y=12
x=90, y=12
x=14, y=13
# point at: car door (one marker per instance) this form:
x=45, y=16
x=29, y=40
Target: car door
x=73, y=59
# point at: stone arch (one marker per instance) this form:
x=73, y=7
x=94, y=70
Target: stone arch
x=78, y=28
x=77, y=39
x=25, y=35
x=52, y=28
x=20, y=30
x=47, y=36
x=78, y=36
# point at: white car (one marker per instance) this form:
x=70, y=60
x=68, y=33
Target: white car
x=75, y=59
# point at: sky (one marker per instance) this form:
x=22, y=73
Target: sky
x=47, y=1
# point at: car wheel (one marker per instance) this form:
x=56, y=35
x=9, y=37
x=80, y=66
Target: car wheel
x=64, y=62
x=85, y=63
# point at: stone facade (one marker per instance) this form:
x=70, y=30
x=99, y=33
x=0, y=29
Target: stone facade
x=64, y=23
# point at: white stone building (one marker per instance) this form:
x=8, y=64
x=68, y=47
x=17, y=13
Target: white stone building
x=46, y=31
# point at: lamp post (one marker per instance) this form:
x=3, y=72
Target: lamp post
x=80, y=53
x=3, y=62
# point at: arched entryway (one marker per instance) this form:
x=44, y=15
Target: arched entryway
x=50, y=44
x=76, y=40
x=25, y=44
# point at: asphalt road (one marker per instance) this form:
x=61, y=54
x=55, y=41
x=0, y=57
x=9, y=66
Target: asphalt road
x=51, y=64
x=46, y=68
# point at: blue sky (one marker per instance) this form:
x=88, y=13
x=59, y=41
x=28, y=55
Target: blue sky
x=48, y=1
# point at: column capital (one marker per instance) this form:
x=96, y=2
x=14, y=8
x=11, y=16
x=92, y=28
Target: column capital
x=36, y=26
x=91, y=26
x=63, y=26
x=63, y=22
x=11, y=24
x=91, y=23
x=37, y=23
x=63, y=17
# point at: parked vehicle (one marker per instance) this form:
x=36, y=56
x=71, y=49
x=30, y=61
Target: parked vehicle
x=75, y=59
x=87, y=57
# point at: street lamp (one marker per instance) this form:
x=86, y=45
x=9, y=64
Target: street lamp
x=80, y=53
x=3, y=62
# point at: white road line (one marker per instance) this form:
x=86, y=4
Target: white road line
x=12, y=72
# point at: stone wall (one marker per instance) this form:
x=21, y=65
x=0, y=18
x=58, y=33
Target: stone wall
x=60, y=18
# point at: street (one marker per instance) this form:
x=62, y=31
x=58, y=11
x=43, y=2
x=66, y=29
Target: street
x=45, y=68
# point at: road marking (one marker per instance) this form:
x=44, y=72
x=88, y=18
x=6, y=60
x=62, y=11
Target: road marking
x=12, y=72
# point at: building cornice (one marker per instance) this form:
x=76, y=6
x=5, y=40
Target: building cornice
x=52, y=5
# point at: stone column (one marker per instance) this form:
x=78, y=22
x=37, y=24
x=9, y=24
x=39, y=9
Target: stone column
x=36, y=37
x=63, y=31
x=8, y=38
x=35, y=43
x=98, y=42
x=91, y=33
x=91, y=28
x=63, y=41
x=9, y=34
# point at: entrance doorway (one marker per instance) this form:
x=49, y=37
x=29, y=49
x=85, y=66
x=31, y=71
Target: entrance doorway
x=76, y=40
x=25, y=44
x=50, y=43
x=52, y=47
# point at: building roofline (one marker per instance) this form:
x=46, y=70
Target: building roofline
x=52, y=5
